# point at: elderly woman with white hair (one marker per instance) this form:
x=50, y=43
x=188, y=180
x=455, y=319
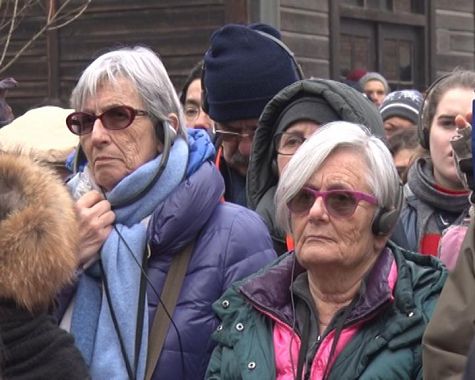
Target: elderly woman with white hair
x=346, y=304
x=157, y=245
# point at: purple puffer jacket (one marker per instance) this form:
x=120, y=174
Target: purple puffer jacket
x=231, y=243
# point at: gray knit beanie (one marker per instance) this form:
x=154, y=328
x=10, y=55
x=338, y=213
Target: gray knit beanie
x=374, y=76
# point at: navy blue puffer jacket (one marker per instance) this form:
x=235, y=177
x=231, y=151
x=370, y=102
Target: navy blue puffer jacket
x=231, y=243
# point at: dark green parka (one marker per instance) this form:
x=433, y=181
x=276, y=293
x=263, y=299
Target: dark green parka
x=387, y=346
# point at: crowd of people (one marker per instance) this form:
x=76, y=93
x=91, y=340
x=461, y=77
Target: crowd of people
x=258, y=224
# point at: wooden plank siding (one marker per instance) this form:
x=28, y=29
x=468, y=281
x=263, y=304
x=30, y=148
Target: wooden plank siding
x=455, y=35
x=179, y=30
x=305, y=29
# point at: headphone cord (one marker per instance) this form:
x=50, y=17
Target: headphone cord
x=116, y=326
x=150, y=283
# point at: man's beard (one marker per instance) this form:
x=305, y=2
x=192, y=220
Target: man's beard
x=239, y=162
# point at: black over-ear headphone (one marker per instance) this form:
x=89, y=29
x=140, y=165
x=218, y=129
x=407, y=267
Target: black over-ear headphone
x=298, y=68
x=385, y=219
x=423, y=127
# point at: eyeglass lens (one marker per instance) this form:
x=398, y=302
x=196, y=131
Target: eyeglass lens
x=114, y=118
x=338, y=203
x=288, y=143
x=232, y=136
x=192, y=112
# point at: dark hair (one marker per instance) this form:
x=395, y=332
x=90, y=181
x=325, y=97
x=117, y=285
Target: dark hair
x=194, y=74
x=404, y=139
x=456, y=79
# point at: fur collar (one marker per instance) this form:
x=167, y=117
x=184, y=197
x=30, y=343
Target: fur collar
x=38, y=232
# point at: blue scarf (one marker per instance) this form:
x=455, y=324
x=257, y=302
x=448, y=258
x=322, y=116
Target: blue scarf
x=92, y=323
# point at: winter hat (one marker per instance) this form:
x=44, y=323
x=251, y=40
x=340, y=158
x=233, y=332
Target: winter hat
x=41, y=132
x=356, y=74
x=243, y=70
x=374, y=76
x=315, y=109
x=406, y=104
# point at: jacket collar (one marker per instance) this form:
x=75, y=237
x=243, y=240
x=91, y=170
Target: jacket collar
x=270, y=290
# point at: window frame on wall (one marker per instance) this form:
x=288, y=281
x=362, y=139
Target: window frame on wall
x=385, y=25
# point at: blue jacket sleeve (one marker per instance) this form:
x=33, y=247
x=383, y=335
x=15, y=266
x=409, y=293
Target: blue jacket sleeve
x=249, y=247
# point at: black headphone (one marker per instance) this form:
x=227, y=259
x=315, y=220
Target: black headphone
x=298, y=68
x=423, y=127
x=385, y=219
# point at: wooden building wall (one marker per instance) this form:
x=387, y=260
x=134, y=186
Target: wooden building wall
x=179, y=31
x=454, y=35
x=305, y=29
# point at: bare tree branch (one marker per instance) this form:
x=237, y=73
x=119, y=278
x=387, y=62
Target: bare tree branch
x=10, y=31
x=78, y=12
x=53, y=20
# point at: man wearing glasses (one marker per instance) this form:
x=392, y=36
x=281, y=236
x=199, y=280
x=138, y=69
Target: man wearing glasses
x=243, y=69
x=190, y=99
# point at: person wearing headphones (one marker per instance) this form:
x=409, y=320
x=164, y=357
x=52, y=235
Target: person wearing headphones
x=449, y=341
x=346, y=303
x=157, y=244
x=244, y=67
x=290, y=118
x=435, y=197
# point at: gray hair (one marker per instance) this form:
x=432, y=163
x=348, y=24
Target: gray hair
x=381, y=176
x=145, y=70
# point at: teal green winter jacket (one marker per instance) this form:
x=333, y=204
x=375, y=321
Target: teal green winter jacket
x=387, y=345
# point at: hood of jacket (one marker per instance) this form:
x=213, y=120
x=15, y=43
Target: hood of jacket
x=349, y=104
x=38, y=232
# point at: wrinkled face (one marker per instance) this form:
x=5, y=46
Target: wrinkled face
x=455, y=101
x=113, y=154
x=324, y=240
x=194, y=114
x=396, y=124
x=374, y=90
x=237, y=149
x=291, y=139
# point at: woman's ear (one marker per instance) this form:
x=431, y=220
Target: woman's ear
x=173, y=120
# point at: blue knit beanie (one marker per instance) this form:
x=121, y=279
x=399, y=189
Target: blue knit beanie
x=243, y=70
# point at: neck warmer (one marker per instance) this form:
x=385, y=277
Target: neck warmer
x=430, y=202
x=121, y=256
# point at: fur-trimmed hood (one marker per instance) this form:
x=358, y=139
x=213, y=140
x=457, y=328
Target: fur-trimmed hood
x=38, y=232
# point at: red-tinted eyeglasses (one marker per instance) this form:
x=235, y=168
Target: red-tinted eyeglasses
x=120, y=117
x=338, y=203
